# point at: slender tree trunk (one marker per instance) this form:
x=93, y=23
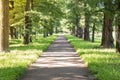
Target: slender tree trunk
x=21, y=31
x=79, y=30
x=56, y=29
x=15, y=33
x=12, y=32
x=26, y=35
x=107, y=38
x=32, y=7
x=4, y=25
x=87, y=18
x=77, y=25
x=86, y=29
x=51, y=31
x=45, y=34
x=73, y=30
x=93, y=33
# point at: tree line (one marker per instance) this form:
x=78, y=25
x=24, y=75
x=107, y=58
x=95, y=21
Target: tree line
x=25, y=18
x=103, y=13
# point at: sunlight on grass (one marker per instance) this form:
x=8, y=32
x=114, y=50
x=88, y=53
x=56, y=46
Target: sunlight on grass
x=103, y=63
x=13, y=64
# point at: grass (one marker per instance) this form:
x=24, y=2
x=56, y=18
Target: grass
x=14, y=63
x=103, y=63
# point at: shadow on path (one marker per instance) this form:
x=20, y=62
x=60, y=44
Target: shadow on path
x=59, y=62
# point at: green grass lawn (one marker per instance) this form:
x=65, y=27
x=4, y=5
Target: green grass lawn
x=103, y=63
x=14, y=63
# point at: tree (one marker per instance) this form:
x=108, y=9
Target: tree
x=118, y=26
x=16, y=17
x=87, y=22
x=74, y=17
x=27, y=26
x=4, y=25
x=107, y=38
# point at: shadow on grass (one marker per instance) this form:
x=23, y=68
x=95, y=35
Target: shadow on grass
x=104, y=63
x=15, y=41
x=79, y=43
x=38, y=44
x=11, y=73
x=30, y=47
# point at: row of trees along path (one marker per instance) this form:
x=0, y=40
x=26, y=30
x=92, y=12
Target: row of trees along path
x=110, y=13
x=59, y=62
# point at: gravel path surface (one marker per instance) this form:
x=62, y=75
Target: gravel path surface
x=59, y=62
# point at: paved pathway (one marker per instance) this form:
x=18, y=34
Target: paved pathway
x=59, y=62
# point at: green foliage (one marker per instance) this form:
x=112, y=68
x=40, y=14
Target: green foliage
x=103, y=63
x=17, y=13
x=41, y=10
x=13, y=64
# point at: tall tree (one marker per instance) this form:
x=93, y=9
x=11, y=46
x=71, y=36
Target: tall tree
x=74, y=17
x=4, y=25
x=87, y=20
x=107, y=37
x=27, y=27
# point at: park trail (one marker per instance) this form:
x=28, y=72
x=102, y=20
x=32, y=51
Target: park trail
x=59, y=62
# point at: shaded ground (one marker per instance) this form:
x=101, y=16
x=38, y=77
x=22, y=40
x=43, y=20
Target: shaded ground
x=59, y=62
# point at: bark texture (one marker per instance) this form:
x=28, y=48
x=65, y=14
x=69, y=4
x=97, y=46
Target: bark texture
x=118, y=39
x=4, y=25
x=118, y=31
x=13, y=33
x=107, y=38
x=27, y=27
x=79, y=30
x=86, y=29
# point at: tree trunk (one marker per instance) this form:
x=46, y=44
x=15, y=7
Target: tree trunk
x=79, y=30
x=73, y=30
x=56, y=29
x=12, y=32
x=118, y=39
x=4, y=25
x=15, y=33
x=118, y=31
x=21, y=32
x=107, y=38
x=51, y=31
x=26, y=35
x=93, y=33
x=45, y=34
x=86, y=29
x=32, y=7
